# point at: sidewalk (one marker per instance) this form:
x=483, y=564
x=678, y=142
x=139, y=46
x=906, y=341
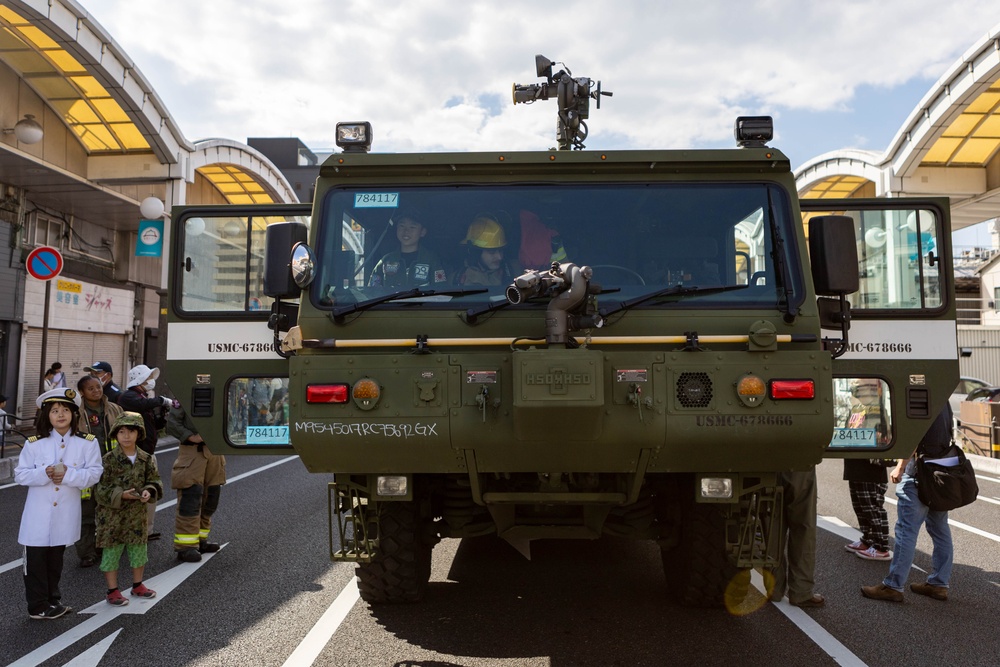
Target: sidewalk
x=8, y=463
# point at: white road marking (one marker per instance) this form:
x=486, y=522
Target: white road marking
x=989, y=479
x=104, y=613
x=810, y=628
x=170, y=503
x=316, y=640
x=92, y=656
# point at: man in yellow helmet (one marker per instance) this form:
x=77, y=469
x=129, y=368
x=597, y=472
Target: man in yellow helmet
x=484, y=262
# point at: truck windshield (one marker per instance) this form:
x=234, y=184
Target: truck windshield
x=637, y=238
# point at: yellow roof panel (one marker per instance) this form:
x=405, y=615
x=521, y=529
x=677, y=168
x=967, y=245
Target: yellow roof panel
x=80, y=112
x=985, y=103
x=37, y=38
x=963, y=125
x=942, y=150
x=110, y=110
x=96, y=137
x=27, y=63
x=66, y=62
x=54, y=88
x=976, y=151
x=129, y=136
x=990, y=127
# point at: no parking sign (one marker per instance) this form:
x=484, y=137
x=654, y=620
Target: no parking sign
x=44, y=263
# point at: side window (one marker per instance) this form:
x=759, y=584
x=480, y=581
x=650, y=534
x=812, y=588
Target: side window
x=220, y=265
x=257, y=411
x=863, y=410
x=897, y=253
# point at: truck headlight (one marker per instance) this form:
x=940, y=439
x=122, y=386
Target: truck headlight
x=391, y=485
x=716, y=487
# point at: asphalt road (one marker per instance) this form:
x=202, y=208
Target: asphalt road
x=272, y=597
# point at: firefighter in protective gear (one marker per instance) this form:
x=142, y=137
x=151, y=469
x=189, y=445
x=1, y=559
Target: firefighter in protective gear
x=198, y=476
x=484, y=262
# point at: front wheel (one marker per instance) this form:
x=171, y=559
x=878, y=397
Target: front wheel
x=401, y=568
x=698, y=570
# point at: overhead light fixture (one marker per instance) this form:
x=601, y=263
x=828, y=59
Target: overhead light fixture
x=27, y=130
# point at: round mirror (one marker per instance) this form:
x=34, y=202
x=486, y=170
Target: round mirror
x=302, y=266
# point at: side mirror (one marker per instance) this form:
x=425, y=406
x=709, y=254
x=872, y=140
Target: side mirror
x=279, y=238
x=833, y=254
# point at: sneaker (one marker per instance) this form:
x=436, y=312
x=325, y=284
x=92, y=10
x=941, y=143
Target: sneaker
x=931, y=591
x=207, y=547
x=855, y=547
x=54, y=611
x=116, y=599
x=188, y=556
x=152, y=537
x=871, y=553
x=141, y=591
x=882, y=592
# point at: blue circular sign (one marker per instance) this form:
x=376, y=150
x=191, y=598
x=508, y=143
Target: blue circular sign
x=44, y=263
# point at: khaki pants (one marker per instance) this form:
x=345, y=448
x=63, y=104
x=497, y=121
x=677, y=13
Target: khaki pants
x=798, y=544
x=198, y=476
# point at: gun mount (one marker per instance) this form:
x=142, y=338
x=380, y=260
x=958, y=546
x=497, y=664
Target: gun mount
x=570, y=309
x=573, y=96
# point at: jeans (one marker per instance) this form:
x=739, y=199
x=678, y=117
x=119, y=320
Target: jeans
x=911, y=513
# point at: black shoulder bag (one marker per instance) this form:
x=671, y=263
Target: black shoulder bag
x=944, y=488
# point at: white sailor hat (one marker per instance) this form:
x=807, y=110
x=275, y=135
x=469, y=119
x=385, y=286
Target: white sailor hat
x=58, y=395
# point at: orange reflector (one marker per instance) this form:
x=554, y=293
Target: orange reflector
x=792, y=389
x=366, y=390
x=750, y=385
x=327, y=393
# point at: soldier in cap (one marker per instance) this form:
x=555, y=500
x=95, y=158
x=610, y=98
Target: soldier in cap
x=55, y=465
x=102, y=371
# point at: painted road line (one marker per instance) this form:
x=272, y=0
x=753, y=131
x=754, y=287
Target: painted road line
x=170, y=503
x=92, y=656
x=316, y=640
x=104, y=613
x=810, y=628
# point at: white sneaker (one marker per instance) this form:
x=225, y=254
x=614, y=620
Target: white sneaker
x=871, y=553
x=855, y=547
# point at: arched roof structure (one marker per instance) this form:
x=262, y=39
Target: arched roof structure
x=73, y=76
x=949, y=145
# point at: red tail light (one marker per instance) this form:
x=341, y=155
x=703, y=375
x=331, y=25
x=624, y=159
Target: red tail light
x=793, y=389
x=328, y=393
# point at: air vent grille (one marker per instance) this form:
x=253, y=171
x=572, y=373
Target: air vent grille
x=694, y=390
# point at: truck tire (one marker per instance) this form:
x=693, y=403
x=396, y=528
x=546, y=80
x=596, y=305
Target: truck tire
x=697, y=569
x=401, y=568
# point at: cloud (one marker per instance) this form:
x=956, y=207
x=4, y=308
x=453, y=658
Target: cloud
x=437, y=76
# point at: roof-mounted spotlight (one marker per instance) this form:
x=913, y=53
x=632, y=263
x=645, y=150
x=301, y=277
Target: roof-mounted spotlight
x=27, y=130
x=753, y=131
x=355, y=137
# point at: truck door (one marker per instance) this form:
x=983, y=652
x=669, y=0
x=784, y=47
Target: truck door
x=221, y=361
x=901, y=363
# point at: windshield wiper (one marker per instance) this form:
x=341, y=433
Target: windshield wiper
x=668, y=291
x=417, y=292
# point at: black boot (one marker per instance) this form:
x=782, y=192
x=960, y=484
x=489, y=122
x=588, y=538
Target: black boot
x=206, y=547
x=189, y=556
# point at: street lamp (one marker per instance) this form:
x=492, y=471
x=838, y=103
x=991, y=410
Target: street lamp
x=27, y=130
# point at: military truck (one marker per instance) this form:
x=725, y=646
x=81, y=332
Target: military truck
x=583, y=344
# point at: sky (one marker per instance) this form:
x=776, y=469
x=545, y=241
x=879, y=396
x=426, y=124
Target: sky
x=436, y=75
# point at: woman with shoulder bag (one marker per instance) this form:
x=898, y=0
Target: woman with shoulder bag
x=911, y=514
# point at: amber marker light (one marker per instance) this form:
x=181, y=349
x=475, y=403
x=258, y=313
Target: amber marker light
x=366, y=393
x=751, y=385
x=793, y=389
x=327, y=393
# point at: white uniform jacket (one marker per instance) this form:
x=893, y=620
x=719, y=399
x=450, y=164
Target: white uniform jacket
x=52, y=512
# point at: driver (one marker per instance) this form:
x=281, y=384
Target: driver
x=412, y=265
x=484, y=254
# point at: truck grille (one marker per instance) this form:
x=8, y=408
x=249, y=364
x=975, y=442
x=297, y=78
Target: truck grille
x=694, y=390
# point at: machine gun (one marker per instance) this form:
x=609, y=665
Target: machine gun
x=572, y=95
